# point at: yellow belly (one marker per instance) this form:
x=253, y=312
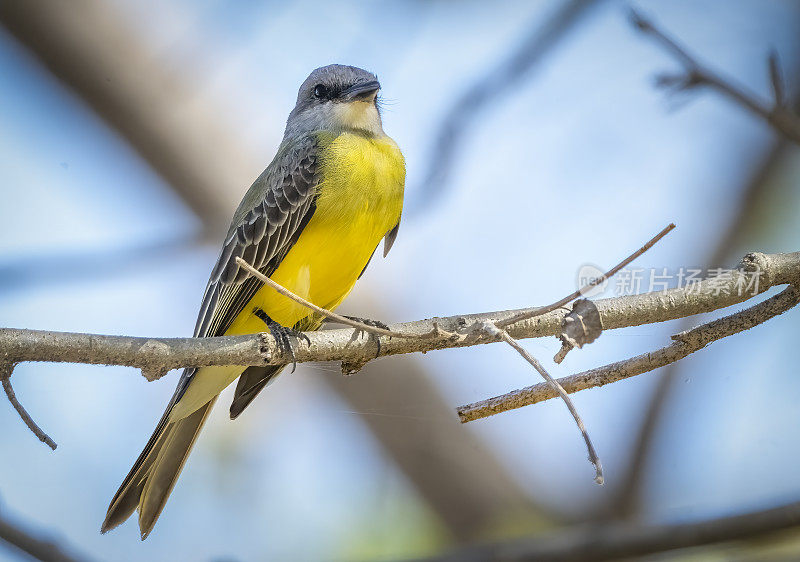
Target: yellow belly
x=359, y=200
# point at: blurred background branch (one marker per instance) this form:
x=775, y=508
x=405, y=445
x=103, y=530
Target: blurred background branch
x=86, y=45
x=618, y=541
x=781, y=117
x=500, y=80
x=34, y=544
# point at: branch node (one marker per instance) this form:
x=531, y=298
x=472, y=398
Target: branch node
x=437, y=332
x=264, y=348
x=154, y=373
x=561, y=354
x=580, y=327
x=639, y=22
x=351, y=367
x=156, y=366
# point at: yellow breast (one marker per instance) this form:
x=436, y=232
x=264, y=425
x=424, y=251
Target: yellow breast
x=360, y=198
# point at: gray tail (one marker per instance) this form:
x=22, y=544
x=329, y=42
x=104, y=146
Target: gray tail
x=154, y=473
x=252, y=381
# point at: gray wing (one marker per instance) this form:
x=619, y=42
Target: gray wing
x=269, y=221
x=266, y=225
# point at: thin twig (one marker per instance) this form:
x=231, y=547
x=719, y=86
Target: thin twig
x=778, y=115
x=319, y=310
x=684, y=344
x=494, y=331
x=591, y=284
x=6, y=369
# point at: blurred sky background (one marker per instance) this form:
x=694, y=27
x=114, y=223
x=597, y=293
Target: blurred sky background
x=579, y=162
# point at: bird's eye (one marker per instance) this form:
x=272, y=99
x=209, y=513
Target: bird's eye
x=320, y=92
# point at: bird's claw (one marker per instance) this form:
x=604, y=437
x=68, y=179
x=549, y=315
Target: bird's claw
x=281, y=335
x=369, y=322
x=374, y=324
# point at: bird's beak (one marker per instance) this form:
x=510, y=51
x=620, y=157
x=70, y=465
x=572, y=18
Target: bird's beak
x=362, y=92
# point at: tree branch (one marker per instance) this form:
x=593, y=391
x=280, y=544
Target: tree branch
x=685, y=344
x=156, y=356
x=778, y=115
x=617, y=541
x=501, y=79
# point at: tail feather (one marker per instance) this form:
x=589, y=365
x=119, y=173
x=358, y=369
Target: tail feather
x=149, y=483
x=167, y=467
x=252, y=381
x=126, y=500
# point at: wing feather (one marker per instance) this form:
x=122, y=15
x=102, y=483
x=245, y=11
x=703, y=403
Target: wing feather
x=268, y=222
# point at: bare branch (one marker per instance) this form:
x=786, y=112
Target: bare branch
x=155, y=357
x=685, y=343
x=590, y=285
x=778, y=116
x=136, y=93
x=6, y=370
x=159, y=355
x=616, y=541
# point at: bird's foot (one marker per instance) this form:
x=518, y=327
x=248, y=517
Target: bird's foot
x=281, y=335
x=374, y=324
x=368, y=322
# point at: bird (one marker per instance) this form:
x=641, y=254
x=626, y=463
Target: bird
x=310, y=222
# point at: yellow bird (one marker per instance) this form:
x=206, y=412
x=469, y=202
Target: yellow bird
x=311, y=222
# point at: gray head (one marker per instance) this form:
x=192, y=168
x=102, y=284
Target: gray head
x=336, y=98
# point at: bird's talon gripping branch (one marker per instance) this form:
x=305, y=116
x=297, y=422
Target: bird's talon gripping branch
x=374, y=324
x=369, y=322
x=281, y=335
